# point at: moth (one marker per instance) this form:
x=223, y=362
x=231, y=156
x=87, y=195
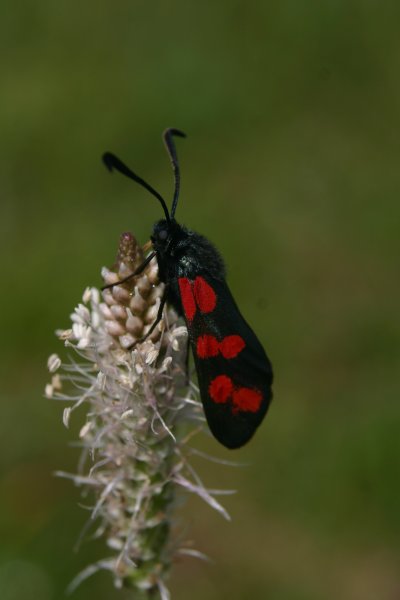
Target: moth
x=233, y=370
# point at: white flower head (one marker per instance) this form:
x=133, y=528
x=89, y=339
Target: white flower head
x=139, y=414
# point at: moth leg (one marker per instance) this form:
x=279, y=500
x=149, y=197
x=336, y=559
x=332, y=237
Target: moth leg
x=136, y=272
x=156, y=322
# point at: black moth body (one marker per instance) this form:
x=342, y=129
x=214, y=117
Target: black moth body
x=233, y=370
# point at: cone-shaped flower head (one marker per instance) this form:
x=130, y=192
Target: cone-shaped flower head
x=140, y=413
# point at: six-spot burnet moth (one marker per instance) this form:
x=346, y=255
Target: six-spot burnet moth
x=233, y=370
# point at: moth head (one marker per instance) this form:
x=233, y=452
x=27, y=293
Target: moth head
x=165, y=235
x=160, y=233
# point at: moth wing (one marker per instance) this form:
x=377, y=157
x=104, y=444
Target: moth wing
x=234, y=372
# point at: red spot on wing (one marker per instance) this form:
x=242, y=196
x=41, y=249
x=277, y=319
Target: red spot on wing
x=246, y=399
x=221, y=389
x=205, y=296
x=187, y=298
x=207, y=346
x=231, y=345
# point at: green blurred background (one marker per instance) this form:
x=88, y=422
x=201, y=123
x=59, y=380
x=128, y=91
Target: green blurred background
x=292, y=167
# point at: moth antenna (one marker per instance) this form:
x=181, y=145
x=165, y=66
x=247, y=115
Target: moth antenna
x=112, y=162
x=171, y=149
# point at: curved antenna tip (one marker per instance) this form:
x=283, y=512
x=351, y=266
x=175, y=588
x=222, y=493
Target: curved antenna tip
x=174, y=131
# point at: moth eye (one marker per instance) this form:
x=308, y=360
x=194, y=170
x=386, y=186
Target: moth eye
x=162, y=235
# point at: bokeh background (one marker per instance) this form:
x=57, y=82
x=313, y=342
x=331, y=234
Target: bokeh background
x=291, y=166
